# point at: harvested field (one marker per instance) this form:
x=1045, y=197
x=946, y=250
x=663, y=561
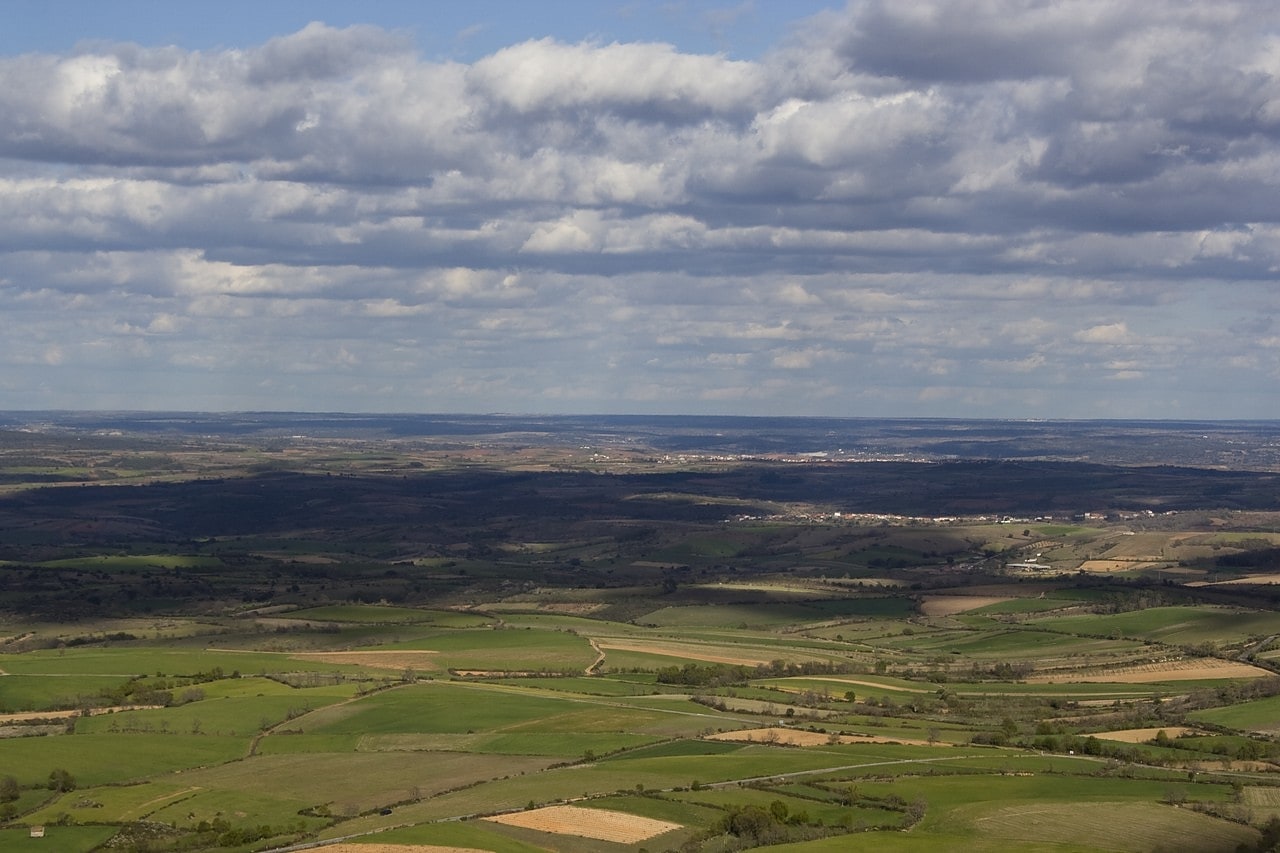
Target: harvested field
x=1144, y=735
x=690, y=651
x=1264, y=797
x=800, y=737
x=399, y=660
x=1177, y=670
x=950, y=605
x=394, y=848
x=618, y=827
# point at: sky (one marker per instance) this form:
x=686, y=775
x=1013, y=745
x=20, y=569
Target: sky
x=942, y=208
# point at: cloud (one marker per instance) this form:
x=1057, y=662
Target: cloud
x=998, y=192
x=1114, y=334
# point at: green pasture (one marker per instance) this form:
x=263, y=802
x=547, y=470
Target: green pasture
x=1018, y=606
x=43, y=693
x=618, y=662
x=526, y=615
x=1122, y=826
x=326, y=685
x=115, y=803
x=1175, y=625
x=227, y=715
x=63, y=839
x=471, y=835
x=917, y=841
x=836, y=685
x=99, y=759
x=1015, y=643
x=570, y=746
x=587, y=686
x=135, y=562
x=729, y=615
x=620, y=774
x=439, y=707
x=1258, y=715
x=239, y=808
x=830, y=813
x=353, y=781
x=694, y=547
x=288, y=741
x=680, y=748
x=373, y=614
x=506, y=650
x=128, y=660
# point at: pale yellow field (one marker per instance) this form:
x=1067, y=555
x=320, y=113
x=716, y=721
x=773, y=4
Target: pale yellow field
x=1181, y=670
x=618, y=827
x=1144, y=735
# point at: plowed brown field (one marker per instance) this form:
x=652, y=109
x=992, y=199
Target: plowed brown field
x=949, y=605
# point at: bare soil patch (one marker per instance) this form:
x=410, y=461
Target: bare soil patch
x=618, y=827
x=682, y=650
x=1178, y=670
x=376, y=659
x=800, y=737
x=950, y=605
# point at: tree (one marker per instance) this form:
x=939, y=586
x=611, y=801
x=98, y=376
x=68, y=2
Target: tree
x=61, y=780
x=9, y=790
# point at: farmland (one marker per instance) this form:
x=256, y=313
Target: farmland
x=519, y=643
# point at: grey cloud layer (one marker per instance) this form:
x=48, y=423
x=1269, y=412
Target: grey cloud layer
x=962, y=207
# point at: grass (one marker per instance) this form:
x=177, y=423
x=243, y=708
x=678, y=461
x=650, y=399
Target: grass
x=134, y=562
x=64, y=839
x=506, y=650
x=99, y=759
x=470, y=835
x=1175, y=625
x=1258, y=715
x=41, y=693
x=381, y=615
x=1137, y=827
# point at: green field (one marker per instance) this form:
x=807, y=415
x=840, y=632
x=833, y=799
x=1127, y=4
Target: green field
x=387, y=644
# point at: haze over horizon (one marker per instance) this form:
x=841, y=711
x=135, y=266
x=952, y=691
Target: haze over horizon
x=944, y=208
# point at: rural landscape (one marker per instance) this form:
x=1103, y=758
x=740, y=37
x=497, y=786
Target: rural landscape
x=413, y=634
